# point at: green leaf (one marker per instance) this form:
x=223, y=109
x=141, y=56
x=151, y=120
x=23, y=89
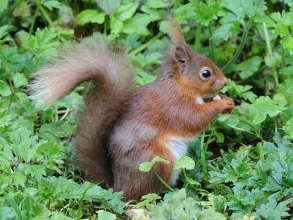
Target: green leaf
x=62, y=188
x=265, y=19
x=284, y=18
x=282, y=30
x=42, y=44
x=8, y=213
x=90, y=16
x=19, y=178
x=5, y=165
x=53, y=152
x=23, y=97
x=220, y=137
x=272, y=185
x=192, y=181
x=4, y=179
x=55, y=129
x=116, y=25
x=287, y=43
x=273, y=60
x=4, y=89
x=248, y=67
x=19, y=80
x=3, y=6
x=289, y=85
x=262, y=107
x=184, y=162
x=206, y=12
x=164, y=25
x=254, y=7
x=126, y=11
x=229, y=18
x=223, y=32
x=109, y=6
x=37, y=171
x=146, y=166
x=3, y=31
x=147, y=200
x=288, y=129
x=103, y=215
x=183, y=13
x=5, y=117
x=13, y=204
x=280, y=99
x=156, y=4
x=138, y=20
x=23, y=144
x=242, y=91
x=143, y=78
x=176, y=206
x=236, y=7
x=211, y=214
x=288, y=71
x=153, y=58
x=152, y=12
x=52, y=4
x=272, y=210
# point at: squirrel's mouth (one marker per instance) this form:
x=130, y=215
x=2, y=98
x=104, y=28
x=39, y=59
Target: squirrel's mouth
x=213, y=97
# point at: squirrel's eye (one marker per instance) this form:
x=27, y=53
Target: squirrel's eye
x=206, y=73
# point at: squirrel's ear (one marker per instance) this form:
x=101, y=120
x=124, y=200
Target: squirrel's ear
x=181, y=57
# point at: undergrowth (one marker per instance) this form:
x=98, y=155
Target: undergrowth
x=241, y=167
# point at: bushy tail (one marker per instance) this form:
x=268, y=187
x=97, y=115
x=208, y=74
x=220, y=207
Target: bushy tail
x=90, y=60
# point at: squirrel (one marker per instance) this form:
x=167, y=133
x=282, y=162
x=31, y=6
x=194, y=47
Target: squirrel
x=121, y=126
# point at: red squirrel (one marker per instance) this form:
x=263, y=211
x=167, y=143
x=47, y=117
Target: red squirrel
x=121, y=126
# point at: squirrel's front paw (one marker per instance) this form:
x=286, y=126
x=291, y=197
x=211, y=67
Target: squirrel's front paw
x=228, y=104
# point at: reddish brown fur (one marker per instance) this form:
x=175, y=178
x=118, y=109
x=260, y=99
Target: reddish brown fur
x=119, y=129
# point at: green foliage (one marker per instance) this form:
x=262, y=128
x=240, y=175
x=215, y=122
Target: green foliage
x=255, y=183
x=178, y=206
x=241, y=166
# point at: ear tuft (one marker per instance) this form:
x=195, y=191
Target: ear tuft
x=175, y=32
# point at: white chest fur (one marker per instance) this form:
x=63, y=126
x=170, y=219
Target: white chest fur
x=179, y=147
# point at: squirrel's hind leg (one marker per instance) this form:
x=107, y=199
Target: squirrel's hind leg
x=135, y=183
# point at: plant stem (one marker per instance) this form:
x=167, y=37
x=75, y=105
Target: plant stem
x=165, y=184
x=240, y=47
x=35, y=18
x=212, y=51
x=244, y=130
x=47, y=17
x=80, y=204
x=11, y=99
x=270, y=52
x=203, y=158
x=141, y=48
x=283, y=58
x=197, y=37
x=269, y=48
x=29, y=62
x=66, y=113
x=283, y=62
x=56, y=114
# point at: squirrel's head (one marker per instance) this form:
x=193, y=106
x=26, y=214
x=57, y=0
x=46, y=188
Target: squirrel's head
x=194, y=71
